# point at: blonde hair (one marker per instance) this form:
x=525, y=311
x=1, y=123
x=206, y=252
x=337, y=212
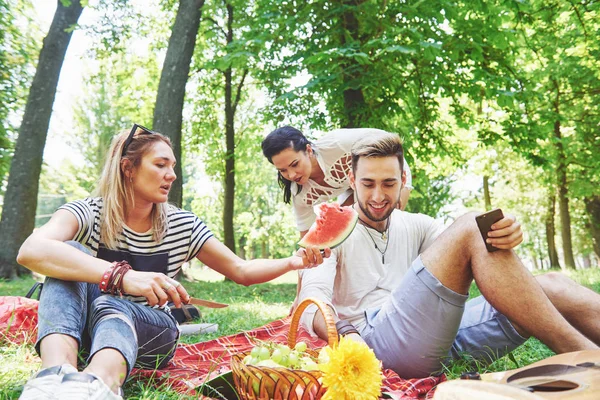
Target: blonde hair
x=117, y=192
x=378, y=145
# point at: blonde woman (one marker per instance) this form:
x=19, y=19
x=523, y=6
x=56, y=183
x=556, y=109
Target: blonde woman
x=110, y=261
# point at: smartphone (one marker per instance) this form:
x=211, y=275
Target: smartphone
x=485, y=222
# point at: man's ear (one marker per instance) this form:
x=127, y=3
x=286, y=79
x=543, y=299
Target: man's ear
x=351, y=177
x=403, y=178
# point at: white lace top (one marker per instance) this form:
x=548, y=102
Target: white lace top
x=334, y=158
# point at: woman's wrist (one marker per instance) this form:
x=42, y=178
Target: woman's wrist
x=112, y=278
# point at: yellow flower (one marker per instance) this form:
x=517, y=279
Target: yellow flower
x=352, y=373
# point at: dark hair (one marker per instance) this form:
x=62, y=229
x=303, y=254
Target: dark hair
x=279, y=140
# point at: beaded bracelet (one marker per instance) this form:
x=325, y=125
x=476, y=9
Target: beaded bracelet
x=345, y=327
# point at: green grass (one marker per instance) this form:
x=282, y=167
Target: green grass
x=17, y=287
x=249, y=308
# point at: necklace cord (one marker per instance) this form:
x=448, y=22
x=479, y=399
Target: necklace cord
x=387, y=242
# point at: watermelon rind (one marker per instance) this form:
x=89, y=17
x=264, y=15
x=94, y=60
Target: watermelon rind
x=341, y=237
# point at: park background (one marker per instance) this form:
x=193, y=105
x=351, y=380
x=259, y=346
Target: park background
x=497, y=102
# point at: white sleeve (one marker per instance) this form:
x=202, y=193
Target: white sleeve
x=305, y=215
x=317, y=283
x=408, y=176
x=429, y=229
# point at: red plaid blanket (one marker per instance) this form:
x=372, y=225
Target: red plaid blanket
x=195, y=364
x=18, y=319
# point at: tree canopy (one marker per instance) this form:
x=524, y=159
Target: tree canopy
x=496, y=103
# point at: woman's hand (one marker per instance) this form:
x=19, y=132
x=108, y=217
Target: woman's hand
x=505, y=234
x=157, y=288
x=309, y=257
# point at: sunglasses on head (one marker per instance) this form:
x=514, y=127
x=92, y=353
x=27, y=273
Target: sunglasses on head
x=132, y=133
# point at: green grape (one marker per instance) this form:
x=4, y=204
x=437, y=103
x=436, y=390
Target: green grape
x=301, y=347
x=285, y=361
x=323, y=356
x=285, y=350
x=310, y=366
x=255, y=352
x=264, y=353
x=293, y=358
x=276, y=356
x=247, y=359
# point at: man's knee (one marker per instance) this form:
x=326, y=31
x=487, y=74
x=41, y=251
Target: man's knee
x=467, y=223
x=452, y=251
x=553, y=283
x=465, y=229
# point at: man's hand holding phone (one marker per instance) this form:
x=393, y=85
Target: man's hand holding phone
x=499, y=232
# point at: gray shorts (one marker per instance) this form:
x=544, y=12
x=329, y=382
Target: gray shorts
x=424, y=324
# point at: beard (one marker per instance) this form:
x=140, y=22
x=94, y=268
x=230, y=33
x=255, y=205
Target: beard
x=365, y=209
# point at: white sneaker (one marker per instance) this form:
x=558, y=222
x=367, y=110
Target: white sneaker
x=45, y=383
x=81, y=385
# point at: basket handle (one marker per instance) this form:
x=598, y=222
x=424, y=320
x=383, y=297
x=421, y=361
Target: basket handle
x=332, y=335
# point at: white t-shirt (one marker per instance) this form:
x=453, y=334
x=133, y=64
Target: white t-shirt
x=334, y=158
x=355, y=279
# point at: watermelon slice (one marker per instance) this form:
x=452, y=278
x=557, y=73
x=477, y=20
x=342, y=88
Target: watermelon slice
x=333, y=225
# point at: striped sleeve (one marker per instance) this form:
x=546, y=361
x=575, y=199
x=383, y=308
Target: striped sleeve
x=81, y=209
x=199, y=235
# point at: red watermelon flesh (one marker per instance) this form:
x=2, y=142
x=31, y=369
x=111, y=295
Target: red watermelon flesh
x=333, y=225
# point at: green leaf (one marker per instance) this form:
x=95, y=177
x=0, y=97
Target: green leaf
x=400, y=49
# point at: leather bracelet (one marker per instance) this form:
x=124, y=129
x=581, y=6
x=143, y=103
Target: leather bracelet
x=104, y=281
x=112, y=279
x=345, y=328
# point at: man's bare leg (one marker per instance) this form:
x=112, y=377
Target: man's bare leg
x=459, y=255
x=578, y=304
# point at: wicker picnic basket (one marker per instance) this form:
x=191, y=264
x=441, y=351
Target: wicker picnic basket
x=253, y=382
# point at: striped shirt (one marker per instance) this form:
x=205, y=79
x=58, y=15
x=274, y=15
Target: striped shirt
x=185, y=237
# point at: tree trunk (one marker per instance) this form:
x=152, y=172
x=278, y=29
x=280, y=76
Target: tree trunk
x=563, y=199
x=168, y=111
x=242, y=247
x=354, y=99
x=20, y=201
x=550, y=232
x=592, y=205
x=263, y=249
x=229, y=203
x=486, y=193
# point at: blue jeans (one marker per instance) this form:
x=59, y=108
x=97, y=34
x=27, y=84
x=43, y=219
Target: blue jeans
x=146, y=337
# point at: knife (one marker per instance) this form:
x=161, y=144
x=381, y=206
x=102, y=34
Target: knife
x=206, y=303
